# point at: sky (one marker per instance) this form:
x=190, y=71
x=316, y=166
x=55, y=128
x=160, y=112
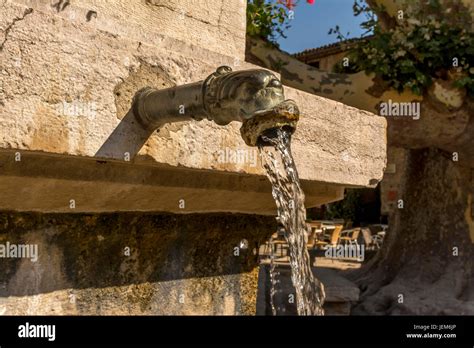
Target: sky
x=311, y=23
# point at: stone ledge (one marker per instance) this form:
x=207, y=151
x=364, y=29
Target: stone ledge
x=48, y=183
x=60, y=98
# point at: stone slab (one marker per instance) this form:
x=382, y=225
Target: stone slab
x=66, y=89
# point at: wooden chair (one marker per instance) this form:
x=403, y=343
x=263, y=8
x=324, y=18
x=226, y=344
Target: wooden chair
x=350, y=236
x=312, y=235
x=277, y=245
x=334, y=239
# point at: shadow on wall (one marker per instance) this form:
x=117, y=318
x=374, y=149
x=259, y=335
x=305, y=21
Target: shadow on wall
x=104, y=250
x=126, y=140
x=129, y=136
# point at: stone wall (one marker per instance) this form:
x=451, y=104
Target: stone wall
x=69, y=144
x=176, y=264
x=68, y=80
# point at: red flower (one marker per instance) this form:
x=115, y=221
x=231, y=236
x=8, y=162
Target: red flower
x=311, y=2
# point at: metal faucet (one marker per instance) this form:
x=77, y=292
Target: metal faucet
x=253, y=97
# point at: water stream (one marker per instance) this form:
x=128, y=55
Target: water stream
x=289, y=197
x=273, y=277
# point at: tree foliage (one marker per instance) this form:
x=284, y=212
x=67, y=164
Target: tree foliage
x=429, y=40
x=269, y=19
x=346, y=209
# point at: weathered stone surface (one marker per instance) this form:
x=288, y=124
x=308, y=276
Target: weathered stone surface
x=445, y=119
x=175, y=265
x=67, y=85
x=68, y=72
x=340, y=292
x=216, y=25
x=64, y=184
x=337, y=143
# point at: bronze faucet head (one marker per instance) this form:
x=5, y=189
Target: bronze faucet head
x=285, y=115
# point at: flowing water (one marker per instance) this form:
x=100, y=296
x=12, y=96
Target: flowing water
x=289, y=197
x=273, y=279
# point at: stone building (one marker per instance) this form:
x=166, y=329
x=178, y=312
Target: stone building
x=327, y=58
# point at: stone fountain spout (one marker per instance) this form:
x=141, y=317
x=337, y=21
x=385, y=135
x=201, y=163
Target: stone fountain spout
x=253, y=97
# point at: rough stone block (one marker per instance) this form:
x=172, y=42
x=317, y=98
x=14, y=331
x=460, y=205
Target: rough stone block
x=67, y=83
